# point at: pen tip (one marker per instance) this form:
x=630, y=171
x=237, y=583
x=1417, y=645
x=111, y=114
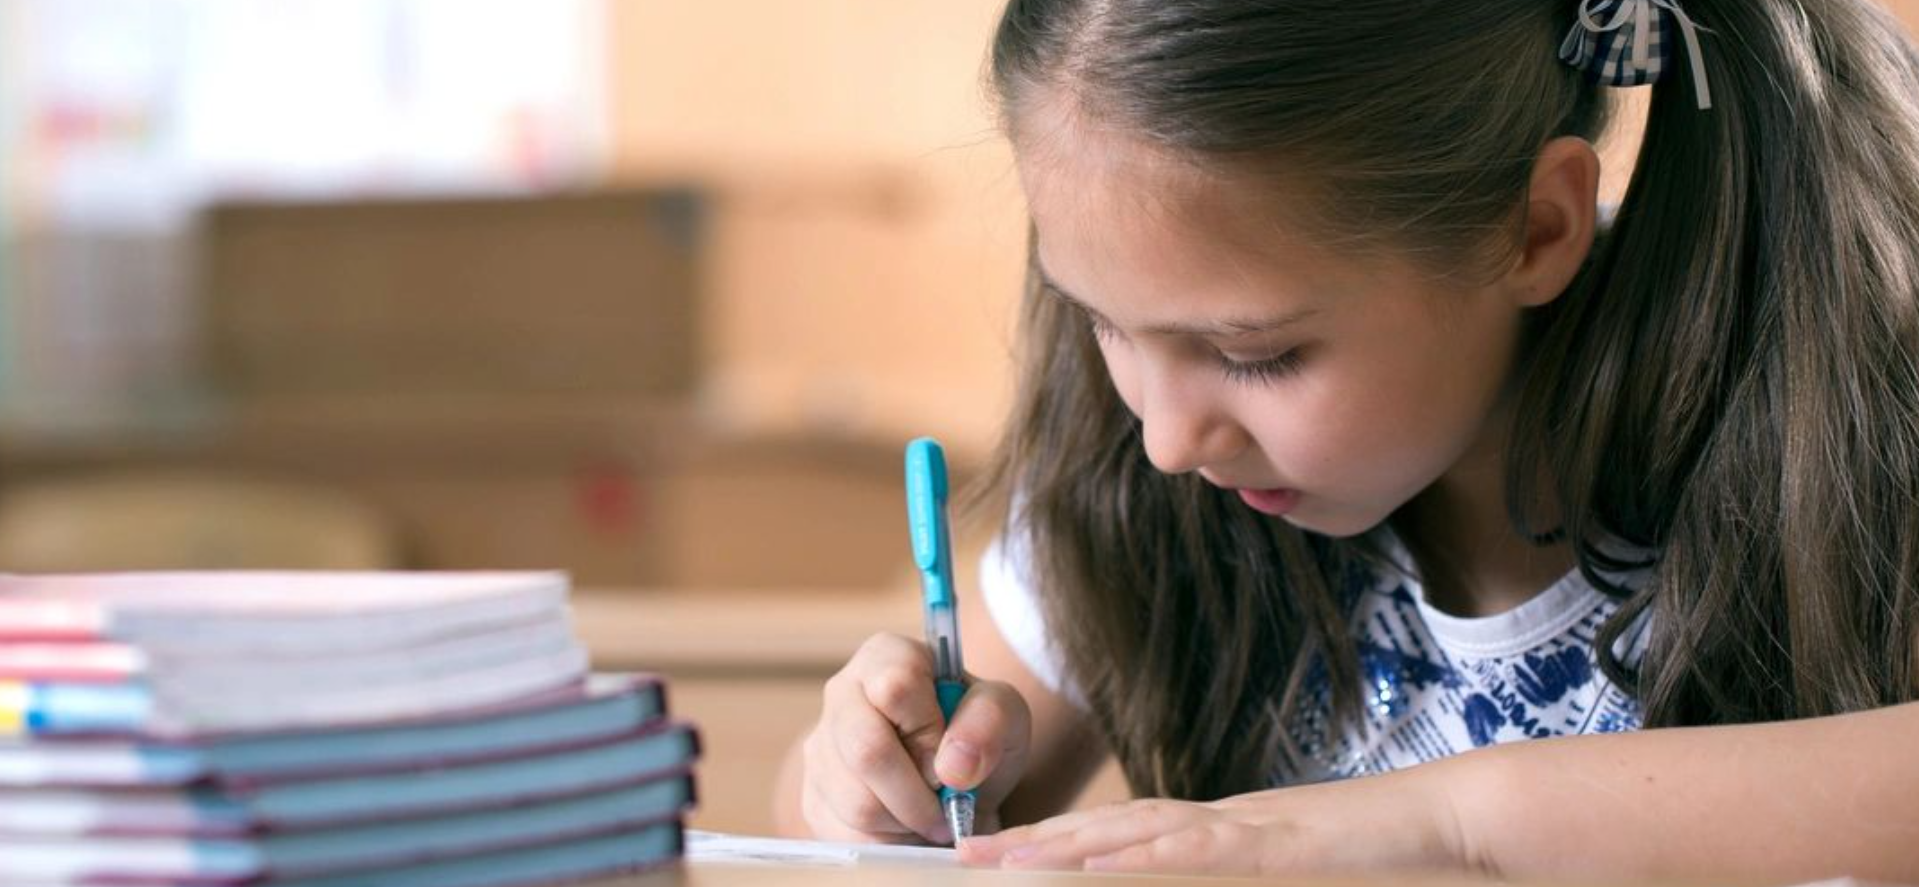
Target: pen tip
x=959, y=816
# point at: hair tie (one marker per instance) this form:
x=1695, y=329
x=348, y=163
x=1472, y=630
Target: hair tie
x=1629, y=43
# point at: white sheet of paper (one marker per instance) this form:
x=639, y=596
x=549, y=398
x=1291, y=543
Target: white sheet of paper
x=720, y=847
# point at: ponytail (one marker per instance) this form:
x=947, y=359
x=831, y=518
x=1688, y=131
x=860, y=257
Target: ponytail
x=1733, y=383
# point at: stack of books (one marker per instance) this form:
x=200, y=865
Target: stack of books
x=323, y=730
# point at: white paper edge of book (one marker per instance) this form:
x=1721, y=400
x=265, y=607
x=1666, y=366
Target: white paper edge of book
x=703, y=846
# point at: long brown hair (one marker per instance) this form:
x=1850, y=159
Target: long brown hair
x=1731, y=383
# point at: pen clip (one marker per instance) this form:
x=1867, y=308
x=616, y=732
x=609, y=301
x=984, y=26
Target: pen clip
x=926, y=493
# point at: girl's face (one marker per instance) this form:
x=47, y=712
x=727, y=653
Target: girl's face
x=1325, y=389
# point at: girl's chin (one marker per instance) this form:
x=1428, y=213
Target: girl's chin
x=1273, y=503
x=1313, y=516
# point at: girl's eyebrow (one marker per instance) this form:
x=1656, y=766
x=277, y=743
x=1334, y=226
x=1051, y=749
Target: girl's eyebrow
x=1231, y=326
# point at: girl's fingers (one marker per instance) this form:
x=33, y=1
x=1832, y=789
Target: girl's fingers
x=1103, y=836
x=987, y=849
x=1222, y=848
x=826, y=825
x=1068, y=841
x=902, y=692
x=829, y=801
x=881, y=789
x=987, y=740
x=870, y=764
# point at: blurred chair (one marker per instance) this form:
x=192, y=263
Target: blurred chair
x=189, y=520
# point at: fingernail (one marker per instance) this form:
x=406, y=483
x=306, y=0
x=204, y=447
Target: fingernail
x=1019, y=854
x=958, y=757
x=1098, y=863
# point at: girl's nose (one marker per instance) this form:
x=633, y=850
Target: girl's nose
x=1185, y=430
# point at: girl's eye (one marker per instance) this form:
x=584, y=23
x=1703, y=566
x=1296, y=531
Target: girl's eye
x=1249, y=372
x=1102, y=330
x=1268, y=370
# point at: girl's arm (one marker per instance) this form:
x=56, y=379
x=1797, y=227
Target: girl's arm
x=1794, y=800
x=1762, y=803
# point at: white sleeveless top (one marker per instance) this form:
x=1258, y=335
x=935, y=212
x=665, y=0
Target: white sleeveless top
x=1435, y=684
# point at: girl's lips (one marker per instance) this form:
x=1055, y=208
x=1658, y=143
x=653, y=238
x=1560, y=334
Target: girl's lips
x=1274, y=502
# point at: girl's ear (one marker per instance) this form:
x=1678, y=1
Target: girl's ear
x=1561, y=204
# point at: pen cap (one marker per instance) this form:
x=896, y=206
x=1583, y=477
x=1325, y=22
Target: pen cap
x=926, y=502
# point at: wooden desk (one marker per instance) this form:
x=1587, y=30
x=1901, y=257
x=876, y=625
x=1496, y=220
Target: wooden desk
x=727, y=875
x=723, y=875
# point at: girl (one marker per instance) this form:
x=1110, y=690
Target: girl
x=1352, y=448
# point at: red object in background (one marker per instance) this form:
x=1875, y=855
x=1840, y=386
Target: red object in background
x=609, y=499
x=63, y=126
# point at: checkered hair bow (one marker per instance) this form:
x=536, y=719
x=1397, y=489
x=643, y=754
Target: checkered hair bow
x=1630, y=43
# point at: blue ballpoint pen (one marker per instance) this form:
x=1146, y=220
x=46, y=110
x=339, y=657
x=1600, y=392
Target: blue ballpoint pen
x=926, y=490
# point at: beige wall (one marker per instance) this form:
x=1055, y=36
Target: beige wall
x=870, y=230
x=1907, y=9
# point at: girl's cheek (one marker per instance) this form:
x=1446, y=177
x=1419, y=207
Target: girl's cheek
x=1314, y=435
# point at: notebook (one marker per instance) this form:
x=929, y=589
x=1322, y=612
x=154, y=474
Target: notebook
x=626, y=851
x=180, y=654
x=339, y=851
x=324, y=730
x=67, y=709
x=571, y=861
x=334, y=612
x=655, y=752
x=602, y=707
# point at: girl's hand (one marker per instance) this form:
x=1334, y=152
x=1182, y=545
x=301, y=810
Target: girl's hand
x=881, y=748
x=1400, y=821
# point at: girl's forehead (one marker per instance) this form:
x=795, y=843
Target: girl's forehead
x=1073, y=156
x=1121, y=222
x=1117, y=208
x=1078, y=170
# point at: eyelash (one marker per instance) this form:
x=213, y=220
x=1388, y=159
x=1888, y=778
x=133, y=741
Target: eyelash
x=1258, y=371
x=1268, y=370
x=1102, y=330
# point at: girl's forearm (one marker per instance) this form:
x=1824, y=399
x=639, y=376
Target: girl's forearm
x=1777, y=802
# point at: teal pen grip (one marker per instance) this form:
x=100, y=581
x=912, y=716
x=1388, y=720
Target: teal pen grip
x=949, y=693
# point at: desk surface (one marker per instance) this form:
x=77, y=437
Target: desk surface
x=710, y=874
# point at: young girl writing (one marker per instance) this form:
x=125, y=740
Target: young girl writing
x=1352, y=448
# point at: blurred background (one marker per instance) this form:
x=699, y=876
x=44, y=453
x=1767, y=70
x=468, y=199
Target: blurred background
x=594, y=284
x=653, y=291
